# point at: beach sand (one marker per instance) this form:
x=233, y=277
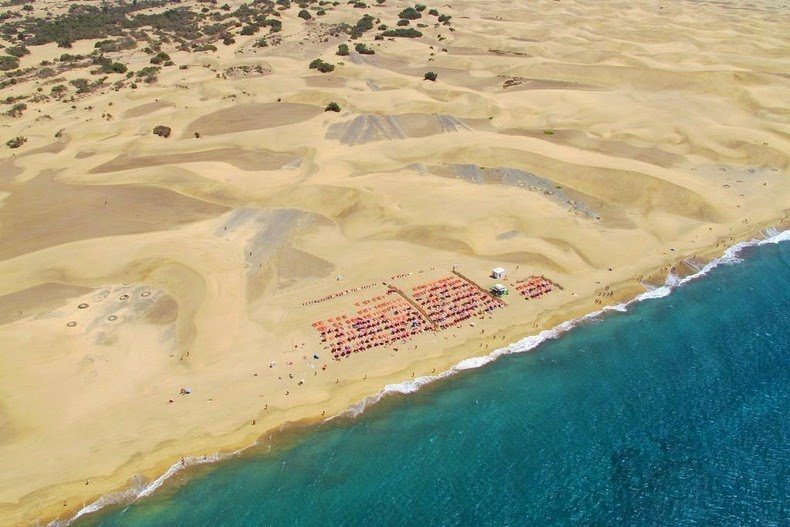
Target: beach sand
x=600, y=145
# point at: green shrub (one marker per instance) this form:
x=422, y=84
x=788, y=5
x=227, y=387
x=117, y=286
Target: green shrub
x=162, y=131
x=362, y=49
x=363, y=24
x=82, y=85
x=400, y=32
x=342, y=50
x=320, y=65
x=18, y=51
x=410, y=14
x=332, y=107
x=16, y=142
x=304, y=14
x=114, y=67
x=403, y=22
x=8, y=62
x=17, y=110
x=109, y=46
x=160, y=57
x=274, y=25
x=430, y=76
x=419, y=8
x=58, y=90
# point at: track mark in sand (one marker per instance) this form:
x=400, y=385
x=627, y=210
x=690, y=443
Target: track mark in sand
x=265, y=232
x=368, y=128
x=265, y=236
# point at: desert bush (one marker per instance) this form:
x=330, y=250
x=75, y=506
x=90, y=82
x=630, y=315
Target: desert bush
x=342, y=50
x=8, y=62
x=304, y=14
x=45, y=73
x=109, y=46
x=16, y=142
x=162, y=131
x=419, y=8
x=160, y=57
x=17, y=51
x=403, y=22
x=17, y=110
x=401, y=32
x=113, y=67
x=274, y=25
x=82, y=85
x=332, y=107
x=409, y=14
x=433, y=12
x=362, y=25
x=320, y=65
x=362, y=49
x=430, y=76
x=58, y=91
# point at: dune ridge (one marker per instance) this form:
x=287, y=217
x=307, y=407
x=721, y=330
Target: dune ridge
x=602, y=146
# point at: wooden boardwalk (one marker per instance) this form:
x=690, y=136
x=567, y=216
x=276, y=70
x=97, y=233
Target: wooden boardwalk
x=414, y=304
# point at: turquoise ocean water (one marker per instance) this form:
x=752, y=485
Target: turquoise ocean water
x=676, y=412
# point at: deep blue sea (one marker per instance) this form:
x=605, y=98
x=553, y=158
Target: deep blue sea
x=675, y=413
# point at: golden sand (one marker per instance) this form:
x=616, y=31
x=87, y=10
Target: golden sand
x=594, y=143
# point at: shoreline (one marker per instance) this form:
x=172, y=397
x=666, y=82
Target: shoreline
x=151, y=480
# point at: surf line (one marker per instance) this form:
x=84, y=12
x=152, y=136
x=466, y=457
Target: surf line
x=730, y=256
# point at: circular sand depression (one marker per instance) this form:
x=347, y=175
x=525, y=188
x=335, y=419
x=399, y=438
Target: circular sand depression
x=253, y=116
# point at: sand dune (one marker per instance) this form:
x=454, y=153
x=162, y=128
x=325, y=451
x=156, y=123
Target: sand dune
x=367, y=128
x=244, y=117
x=595, y=143
x=145, y=109
x=44, y=212
x=238, y=157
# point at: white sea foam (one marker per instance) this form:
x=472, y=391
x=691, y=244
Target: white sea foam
x=142, y=489
x=730, y=256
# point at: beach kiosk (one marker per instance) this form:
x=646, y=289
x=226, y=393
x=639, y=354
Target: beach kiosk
x=497, y=273
x=499, y=290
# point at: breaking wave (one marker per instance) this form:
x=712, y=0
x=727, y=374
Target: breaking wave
x=141, y=488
